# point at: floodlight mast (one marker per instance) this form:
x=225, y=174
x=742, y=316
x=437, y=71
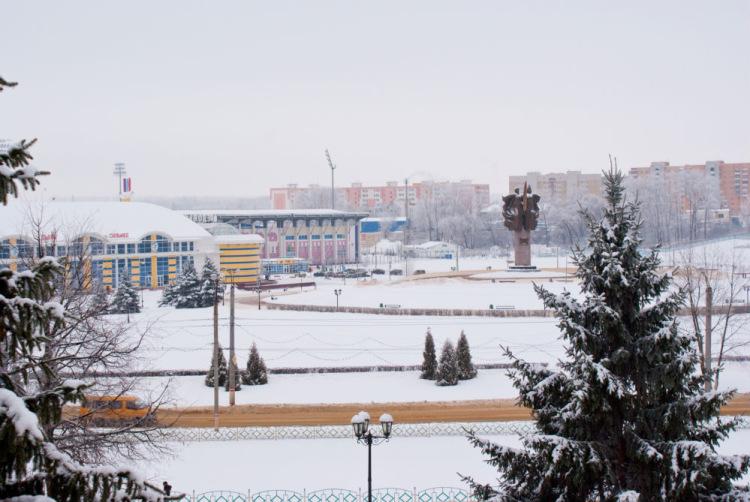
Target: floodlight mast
x=119, y=172
x=333, y=168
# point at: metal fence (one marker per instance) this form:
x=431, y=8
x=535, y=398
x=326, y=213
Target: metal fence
x=437, y=494
x=345, y=432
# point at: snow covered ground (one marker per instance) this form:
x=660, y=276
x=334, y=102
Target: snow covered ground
x=464, y=263
x=182, y=339
x=380, y=387
x=298, y=464
x=427, y=293
x=334, y=388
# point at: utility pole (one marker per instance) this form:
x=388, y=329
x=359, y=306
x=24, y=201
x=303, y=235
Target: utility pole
x=333, y=168
x=707, y=350
x=215, y=279
x=458, y=248
x=119, y=172
x=232, y=357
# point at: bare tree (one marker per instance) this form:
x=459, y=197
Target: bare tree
x=89, y=343
x=701, y=268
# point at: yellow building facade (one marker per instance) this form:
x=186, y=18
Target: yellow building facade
x=103, y=242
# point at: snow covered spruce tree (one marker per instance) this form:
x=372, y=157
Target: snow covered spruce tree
x=255, y=372
x=31, y=466
x=185, y=293
x=624, y=417
x=447, y=372
x=429, y=358
x=208, y=287
x=466, y=369
x=125, y=299
x=222, y=369
x=168, y=294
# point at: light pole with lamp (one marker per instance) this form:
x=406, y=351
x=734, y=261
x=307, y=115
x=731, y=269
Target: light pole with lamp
x=215, y=279
x=361, y=426
x=337, y=292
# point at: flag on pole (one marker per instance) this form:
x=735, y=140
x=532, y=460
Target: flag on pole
x=127, y=185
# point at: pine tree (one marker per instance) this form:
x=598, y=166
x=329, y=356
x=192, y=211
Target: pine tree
x=209, y=289
x=466, y=369
x=168, y=294
x=31, y=466
x=256, y=373
x=447, y=373
x=222, y=369
x=185, y=293
x=125, y=300
x=625, y=416
x=429, y=358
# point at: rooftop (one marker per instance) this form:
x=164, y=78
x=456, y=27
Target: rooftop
x=112, y=220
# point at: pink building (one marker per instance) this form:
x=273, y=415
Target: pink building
x=363, y=198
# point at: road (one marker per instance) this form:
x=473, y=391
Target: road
x=338, y=414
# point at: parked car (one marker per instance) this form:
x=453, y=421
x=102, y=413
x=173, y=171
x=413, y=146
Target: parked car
x=397, y=271
x=353, y=274
x=419, y=272
x=319, y=274
x=377, y=271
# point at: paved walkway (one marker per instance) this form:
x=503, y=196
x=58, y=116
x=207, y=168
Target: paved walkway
x=337, y=414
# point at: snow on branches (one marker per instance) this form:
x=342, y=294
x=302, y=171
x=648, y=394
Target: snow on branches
x=625, y=416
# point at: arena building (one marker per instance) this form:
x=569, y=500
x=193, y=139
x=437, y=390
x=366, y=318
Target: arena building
x=104, y=241
x=320, y=236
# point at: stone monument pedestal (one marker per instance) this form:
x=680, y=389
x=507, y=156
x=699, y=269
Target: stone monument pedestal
x=522, y=252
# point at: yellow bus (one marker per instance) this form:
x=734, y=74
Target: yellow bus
x=116, y=410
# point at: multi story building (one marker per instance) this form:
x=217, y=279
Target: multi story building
x=321, y=236
x=358, y=197
x=730, y=180
x=105, y=241
x=559, y=187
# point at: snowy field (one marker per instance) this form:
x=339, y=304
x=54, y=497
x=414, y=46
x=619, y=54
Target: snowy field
x=426, y=293
x=329, y=388
x=182, y=339
x=478, y=263
x=382, y=387
x=309, y=464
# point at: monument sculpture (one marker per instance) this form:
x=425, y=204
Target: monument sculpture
x=520, y=214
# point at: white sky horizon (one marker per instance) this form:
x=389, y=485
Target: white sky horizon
x=233, y=98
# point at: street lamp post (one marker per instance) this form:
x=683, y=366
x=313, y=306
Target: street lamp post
x=215, y=279
x=361, y=426
x=337, y=292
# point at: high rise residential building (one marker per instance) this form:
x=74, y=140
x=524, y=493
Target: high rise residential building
x=559, y=187
x=393, y=194
x=731, y=181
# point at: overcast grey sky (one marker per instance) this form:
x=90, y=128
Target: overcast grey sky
x=234, y=97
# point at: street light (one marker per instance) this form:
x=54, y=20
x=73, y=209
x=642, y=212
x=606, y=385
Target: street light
x=361, y=426
x=215, y=280
x=337, y=292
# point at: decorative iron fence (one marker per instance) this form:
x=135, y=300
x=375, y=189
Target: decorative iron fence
x=437, y=494
x=345, y=432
